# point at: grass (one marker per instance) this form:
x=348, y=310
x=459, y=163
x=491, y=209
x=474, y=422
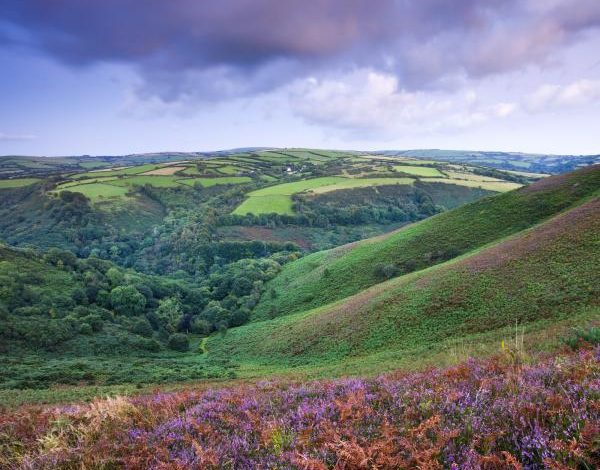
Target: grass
x=363, y=183
x=418, y=170
x=353, y=268
x=274, y=203
x=156, y=181
x=72, y=184
x=229, y=169
x=461, y=175
x=497, y=186
x=165, y=170
x=539, y=277
x=132, y=170
x=99, y=191
x=17, y=183
x=208, y=182
x=278, y=198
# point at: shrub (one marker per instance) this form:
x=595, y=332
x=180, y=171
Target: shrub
x=386, y=270
x=581, y=336
x=179, y=342
x=200, y=326
x=142, y=327
x=127, y=300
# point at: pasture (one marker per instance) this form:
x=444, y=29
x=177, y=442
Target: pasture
x=274, y=203
x=498, y=186
x=17, y=183
x=164, y=171
x=208, y=182
x=423, y=171
x=277, y=199
x=99, y=191
x=156, y=181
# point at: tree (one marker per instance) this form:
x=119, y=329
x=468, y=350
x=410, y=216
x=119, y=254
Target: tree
x=201, y=327
x=169, y=312
x=142, y=327
x=126, y=300
x=115, y=277
x=179, y=342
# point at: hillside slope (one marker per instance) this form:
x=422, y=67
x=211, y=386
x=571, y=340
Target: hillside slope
x=540, y=277
x=331, y=275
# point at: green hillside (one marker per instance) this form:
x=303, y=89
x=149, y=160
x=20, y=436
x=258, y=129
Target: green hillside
x=324, y=277
x=542, y=278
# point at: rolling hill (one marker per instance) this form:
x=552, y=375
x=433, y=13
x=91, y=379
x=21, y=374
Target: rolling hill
x=165, y=283
x=539, y=275
x=327, y=276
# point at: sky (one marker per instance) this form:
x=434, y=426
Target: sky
x=126, y=76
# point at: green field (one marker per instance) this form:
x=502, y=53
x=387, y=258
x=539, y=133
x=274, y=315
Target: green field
x=99, y=191
x=229, y=169
x=273, y=203
x=17, y=182
x=132, y=170
x=351, y=183
x=498, y=186
x=277, y=199
x=72, y=184
x=208, y=182
x=418, y=170
x=156, y=181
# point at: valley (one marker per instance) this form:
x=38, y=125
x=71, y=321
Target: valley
x=222, y=271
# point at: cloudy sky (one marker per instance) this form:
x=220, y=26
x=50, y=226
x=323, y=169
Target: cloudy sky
x=124, y=76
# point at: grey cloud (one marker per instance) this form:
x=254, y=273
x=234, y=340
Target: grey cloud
x=224, y=48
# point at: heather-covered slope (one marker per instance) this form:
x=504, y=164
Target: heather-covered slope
x=539, y=277
x=331, y=275
x=492, y=414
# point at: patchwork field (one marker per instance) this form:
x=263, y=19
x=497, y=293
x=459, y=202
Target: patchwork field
x=498, y=186
x=418, y=171
x=17, y=182
x=167, y=170
x=208, y=182
x=99, y=191
x=277, y=199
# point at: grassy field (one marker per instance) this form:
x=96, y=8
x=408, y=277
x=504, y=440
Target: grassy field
x=363, y=183
x=497, y=186
x=434, y=240
x=418, y=170
x=73, y=184
x=165, y=170
x=156, y=181
x=274, y=203
x=208, y=182
x=132, y=170
x=99, y=191
x=17, y=182
x=278, y=198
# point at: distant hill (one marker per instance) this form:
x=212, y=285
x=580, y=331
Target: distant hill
x=18, y=166
x=514, y=161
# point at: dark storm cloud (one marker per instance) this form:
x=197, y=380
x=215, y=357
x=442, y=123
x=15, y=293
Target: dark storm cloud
x=223, y=48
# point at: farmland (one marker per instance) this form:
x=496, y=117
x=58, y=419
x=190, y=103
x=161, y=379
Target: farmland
x=97, y=191
x=277, y=199
x=17, y=182
x=418, y=170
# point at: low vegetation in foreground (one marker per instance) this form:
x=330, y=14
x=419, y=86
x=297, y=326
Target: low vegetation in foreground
x=496, y=414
